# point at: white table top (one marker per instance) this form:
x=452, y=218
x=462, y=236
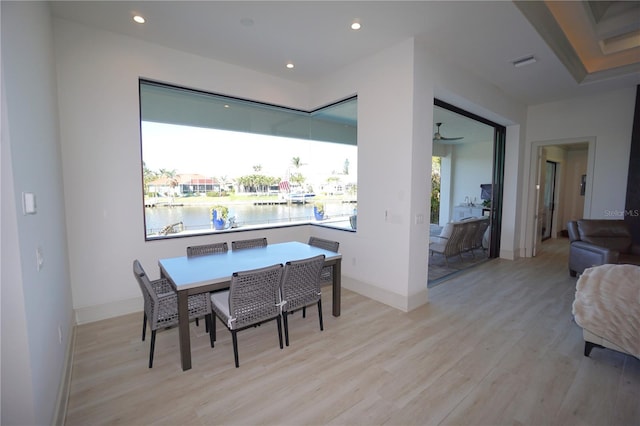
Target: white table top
x=189, y=272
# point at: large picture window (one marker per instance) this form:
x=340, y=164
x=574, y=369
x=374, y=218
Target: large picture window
x=213, y=163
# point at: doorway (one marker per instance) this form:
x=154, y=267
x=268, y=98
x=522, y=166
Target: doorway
x=470, y=173
x=560, y=192
x=467, y=177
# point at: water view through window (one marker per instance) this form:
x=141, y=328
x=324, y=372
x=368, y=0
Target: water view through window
x=193, y=175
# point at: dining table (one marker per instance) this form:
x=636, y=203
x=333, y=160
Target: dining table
x=211, y=272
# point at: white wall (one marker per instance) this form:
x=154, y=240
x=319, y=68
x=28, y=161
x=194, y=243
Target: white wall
x=36, y=305
x=97, y=79
x=376, y=258
x=472, y=166
x=99, y=123
x=460, y=87
x=605, y=118
x=576, y=161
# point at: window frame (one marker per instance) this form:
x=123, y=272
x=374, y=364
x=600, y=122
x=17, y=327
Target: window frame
x=309, y=115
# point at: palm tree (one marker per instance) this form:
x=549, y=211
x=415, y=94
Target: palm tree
x=148, y=176
x=297, y=178
x=172, y=180
x=435, y=190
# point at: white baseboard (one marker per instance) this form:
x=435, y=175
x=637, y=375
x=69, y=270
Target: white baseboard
x=108, y=310
x=62, y=400
x=123, y=307
x=394, y=300
x=509, y=254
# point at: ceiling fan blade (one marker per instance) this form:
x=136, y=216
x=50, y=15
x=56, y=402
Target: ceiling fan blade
x=437, y=137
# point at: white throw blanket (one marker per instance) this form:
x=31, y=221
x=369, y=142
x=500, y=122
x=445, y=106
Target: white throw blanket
x=607, y=303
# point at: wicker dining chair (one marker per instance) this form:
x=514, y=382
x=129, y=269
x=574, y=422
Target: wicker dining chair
x=253, y=298
x=300, y=288
x=254, y=242
x=161, y=306
x=212, y=248
x=326, y=277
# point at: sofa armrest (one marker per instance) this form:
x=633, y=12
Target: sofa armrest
x=605, y=254
x=584, y=255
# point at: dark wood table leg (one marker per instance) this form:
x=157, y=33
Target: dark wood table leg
x=337, y=287
x=183, y=329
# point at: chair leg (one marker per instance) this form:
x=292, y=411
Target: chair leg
x=235, y=347
x=153, y=345
x=144, y=326
x=320, y=314
x=208, y=319
x=279, y=330
x=197, y=323
x=213, y=329
x=304, y=312
x=286, y=326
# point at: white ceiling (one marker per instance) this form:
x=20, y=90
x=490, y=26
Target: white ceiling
x=480, y=36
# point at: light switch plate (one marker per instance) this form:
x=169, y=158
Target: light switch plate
x=28, y=203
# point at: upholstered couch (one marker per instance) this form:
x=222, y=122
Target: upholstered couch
x=597, y=242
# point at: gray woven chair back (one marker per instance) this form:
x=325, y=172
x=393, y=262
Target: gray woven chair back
x=161, y=300
x=324, y=244
x=161, y=311
x=254, y=295
x=326, y=277
x=145, y=286
x=301, y=283
x=243, y=244
x=207, y=249
x=469, y=236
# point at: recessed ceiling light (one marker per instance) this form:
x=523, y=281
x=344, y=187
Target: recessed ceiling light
x=290, y=65
x=355, y=25
x=139, y=19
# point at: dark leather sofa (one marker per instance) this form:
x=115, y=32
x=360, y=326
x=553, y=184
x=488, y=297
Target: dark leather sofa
x=599, y=241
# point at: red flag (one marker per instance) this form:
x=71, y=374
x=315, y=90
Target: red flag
x=284, y=186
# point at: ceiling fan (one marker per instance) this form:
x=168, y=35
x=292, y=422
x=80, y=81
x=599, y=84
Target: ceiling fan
x=437, y=137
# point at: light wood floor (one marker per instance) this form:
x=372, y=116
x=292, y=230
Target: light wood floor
x=496, y=345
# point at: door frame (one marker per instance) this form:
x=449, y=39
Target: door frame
x=499, y=146
x=532, y=182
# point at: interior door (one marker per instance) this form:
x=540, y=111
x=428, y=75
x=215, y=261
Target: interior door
x=540, y=210
x=549, y=198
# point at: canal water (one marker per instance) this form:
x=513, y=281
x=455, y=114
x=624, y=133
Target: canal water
x=196, y=218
